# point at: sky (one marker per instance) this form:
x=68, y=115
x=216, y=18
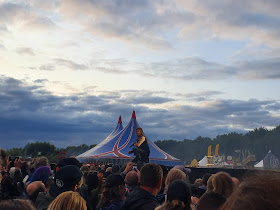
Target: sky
x=69, y=68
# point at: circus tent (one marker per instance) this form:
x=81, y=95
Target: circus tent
x=114, y=149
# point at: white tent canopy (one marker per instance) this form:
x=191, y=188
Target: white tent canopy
x=203, y=162
x=270, y=161
x=259, y=164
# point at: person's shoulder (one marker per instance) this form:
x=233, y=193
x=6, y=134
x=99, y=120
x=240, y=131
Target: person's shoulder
x=143, y=195
x=43, y=200
x=149, y=204
x=114, y=205
x=161, y=198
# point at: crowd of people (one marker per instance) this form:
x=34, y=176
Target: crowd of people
x=70, y=184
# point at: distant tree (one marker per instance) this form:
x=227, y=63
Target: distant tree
x=15, y=152
x=39, y=149
x=258, y=141
x=77, y=150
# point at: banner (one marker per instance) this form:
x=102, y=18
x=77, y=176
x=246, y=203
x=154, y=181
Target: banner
x=216, y=150
x=209, y=151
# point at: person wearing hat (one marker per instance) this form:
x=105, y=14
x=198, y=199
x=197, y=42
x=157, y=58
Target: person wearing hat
x=178, y=196
x=68, y=161
x=113, y=195
x=67, y=178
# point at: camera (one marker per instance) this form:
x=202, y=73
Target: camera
x=134, y=168
x=12, y=158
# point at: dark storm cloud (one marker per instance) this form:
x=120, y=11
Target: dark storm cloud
x=273, y=107
x=30, y=113
x=219, y=117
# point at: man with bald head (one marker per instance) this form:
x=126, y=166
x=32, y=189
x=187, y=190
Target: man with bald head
x=131, y=181
x=33, y=189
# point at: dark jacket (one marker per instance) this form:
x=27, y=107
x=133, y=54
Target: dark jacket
x=11, y=188
x=140, y=199
x=43, y=201
x=130, y=189
x=161, y=198
x=114, y=205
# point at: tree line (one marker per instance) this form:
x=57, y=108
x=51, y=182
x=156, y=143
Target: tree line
x=258, y=142
x=48, y=150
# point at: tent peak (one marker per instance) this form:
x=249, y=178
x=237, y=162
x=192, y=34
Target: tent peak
x=120, y=119
x=133, y=116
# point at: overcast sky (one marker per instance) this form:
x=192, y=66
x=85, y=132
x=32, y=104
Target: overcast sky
x=69, y=68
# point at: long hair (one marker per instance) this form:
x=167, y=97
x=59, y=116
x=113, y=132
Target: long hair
x=68, y=200
x=209, y=184
x=222, y=184
x=259, y=191
x=3, y=155
x=174, y=205
x=110, y=194
x=142, y=132
x=174, y=174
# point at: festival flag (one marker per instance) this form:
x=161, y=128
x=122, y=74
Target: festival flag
x=209, y=151
x=216, y=150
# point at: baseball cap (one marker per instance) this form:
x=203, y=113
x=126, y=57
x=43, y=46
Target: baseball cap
x=65, y=179
x=68, y=161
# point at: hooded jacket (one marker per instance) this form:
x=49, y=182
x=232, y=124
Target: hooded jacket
x=140, y=199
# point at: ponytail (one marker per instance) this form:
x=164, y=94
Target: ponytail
x=177, y=204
